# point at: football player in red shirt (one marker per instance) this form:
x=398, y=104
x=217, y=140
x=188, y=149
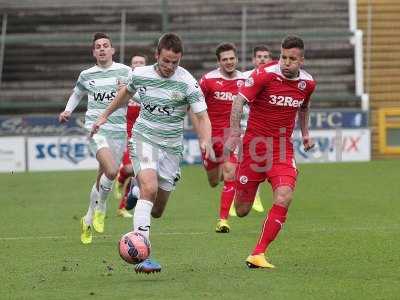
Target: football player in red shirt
x=220, y=87
x=122, y=185
x=261, y=55
x=277, y=93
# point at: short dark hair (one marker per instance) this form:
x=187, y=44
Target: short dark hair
x=224, y=47
x=141, y=55
x=100, y=35
x=292, y=41
x=260, y=48
x=170, y=41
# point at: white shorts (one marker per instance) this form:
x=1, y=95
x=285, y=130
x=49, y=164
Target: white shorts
x=116, y=145
x=146, y=156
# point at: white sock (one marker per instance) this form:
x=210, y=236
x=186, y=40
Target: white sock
x=94, y=197
x=105, y=187
x=142, y=217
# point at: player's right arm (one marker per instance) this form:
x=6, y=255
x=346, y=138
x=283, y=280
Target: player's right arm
x=203, y=86
x=120, y=100
x=248, y=92
x=236, y=115
x=73, y=101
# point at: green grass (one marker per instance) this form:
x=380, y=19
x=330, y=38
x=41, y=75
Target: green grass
x=341, y=240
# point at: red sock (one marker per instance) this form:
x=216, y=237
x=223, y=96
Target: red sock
x=122, y=175
x=272, y=225
x=227, y=195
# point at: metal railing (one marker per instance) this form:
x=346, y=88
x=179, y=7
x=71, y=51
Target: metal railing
x=357, y=41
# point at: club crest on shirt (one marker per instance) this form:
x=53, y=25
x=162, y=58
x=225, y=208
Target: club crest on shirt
x=302, y=85
x=176, y=96
x=249, y=82
x=239, y=83
x=243, y=179
x=92, y=83
x=142, y=91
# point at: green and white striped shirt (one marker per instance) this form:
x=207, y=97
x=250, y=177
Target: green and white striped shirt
x=246, y=108
x=100, y=84
x=164, y=103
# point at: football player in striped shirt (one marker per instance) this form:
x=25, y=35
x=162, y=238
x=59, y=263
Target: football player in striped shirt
x=165, y=92
x=100, y=84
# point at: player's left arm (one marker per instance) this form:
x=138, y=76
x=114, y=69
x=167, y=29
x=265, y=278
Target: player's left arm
x=304, y=117
x=203, y=130
x=193, y=120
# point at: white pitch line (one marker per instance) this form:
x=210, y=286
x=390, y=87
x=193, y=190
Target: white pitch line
x=32, y=238
x=300, y=230
x=99, y=236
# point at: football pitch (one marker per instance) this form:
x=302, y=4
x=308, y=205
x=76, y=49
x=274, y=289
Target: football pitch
x=341, y=240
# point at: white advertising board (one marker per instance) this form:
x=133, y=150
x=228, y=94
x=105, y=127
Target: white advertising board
x=335, y=146
x=331, y=145
x=12, y=154
x=60, y=153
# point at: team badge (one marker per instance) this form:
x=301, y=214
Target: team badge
x=176, y=96
x=249, y=82
x=239, y=83
x=142, y=91
x=302, y=85
x=243, y=179
x=92, y=83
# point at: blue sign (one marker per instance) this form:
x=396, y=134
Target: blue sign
x=38, y=125
x=338, y=119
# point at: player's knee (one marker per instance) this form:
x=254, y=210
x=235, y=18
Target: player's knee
x=111, y=174
x=242, y=209
x=128, y=170
x=229, y=176
x=156, y=213
x=228, y=173
x=213, y=183
x=283, y=199
x=148, y=191
x=242, y=212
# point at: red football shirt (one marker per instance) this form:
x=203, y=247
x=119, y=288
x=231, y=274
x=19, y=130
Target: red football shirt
x=219, y=93
x=275, y=101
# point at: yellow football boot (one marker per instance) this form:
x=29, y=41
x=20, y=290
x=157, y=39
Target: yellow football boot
x=98, y=221
x=258, y=261
x=86, y=232
x=122, y=212
x=118, y=190
x=222, y=226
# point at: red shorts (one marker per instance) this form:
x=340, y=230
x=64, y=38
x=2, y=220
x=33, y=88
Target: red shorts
x=251, y=173
x=131, y=115
x=220, y=157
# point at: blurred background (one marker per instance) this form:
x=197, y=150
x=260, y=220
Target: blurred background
x=351, y=51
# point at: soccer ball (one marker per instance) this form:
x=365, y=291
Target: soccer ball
x=134, y=247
